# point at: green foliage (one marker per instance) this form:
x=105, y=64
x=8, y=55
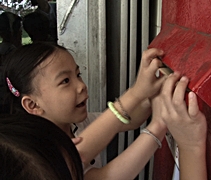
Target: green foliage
x=25, y=38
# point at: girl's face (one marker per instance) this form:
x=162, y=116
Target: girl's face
x=62, y=94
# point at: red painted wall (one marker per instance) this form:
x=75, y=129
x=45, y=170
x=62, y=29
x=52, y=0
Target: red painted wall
x=186, y=39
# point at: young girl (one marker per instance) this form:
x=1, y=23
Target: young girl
x=25, y=140
x=44, y=80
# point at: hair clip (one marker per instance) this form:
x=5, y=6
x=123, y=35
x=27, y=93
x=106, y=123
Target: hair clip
x=12, y=89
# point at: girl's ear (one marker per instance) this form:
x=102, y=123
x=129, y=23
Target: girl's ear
x=31, y=106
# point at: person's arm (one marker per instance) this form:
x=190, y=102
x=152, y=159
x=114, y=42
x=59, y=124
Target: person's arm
x=131, y=161
x=97, y=135
x=135, y=157
x=192, y=163
x=187, y=125
x=139, y=115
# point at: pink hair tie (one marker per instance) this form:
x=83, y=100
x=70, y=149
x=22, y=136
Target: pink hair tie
x=12, y=89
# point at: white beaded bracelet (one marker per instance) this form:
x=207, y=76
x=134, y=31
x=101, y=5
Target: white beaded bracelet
x=155, y=138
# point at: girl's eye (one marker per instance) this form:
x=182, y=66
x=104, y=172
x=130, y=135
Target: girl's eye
x=79, y=74
x=66, y=80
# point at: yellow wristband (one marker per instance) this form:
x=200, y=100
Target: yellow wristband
x=117, y=114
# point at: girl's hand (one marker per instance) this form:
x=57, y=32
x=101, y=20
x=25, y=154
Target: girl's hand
x=147, y=83
x=187, y=124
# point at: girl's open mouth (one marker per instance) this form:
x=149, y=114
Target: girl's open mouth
x=81, y=104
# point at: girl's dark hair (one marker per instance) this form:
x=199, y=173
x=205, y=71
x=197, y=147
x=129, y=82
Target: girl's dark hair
x=31, y=148
x=20, y=69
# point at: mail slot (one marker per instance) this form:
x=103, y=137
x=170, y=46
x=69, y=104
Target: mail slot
x=185, y=37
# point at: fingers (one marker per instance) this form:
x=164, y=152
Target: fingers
x=155, y=65
x=180, y=119
x=151, y=54
x=193, y=104
x=169, y=86
x=180, y=90
x=173, y=95
x=153, y=68
x=158, y=84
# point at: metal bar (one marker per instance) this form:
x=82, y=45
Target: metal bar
x=132, y=52
x=144, y=44
x=123, y=44
x=96, y=55
x=66, y=16
x=102, y=63
x=158, y=16
x=123, y=58
x=157, y=30
x=102, y=53
x=133, y=40
x=145, y=25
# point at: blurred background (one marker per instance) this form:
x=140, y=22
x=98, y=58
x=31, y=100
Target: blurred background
x=21, y=8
